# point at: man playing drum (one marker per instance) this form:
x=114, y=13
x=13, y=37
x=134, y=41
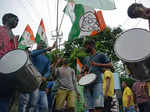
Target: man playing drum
x=38, y=98
x=8, y=42
x=93, y=92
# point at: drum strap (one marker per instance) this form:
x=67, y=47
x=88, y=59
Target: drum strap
x=59, y=82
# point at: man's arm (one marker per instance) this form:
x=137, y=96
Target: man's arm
x=129, y=100
x=101, y=65
x=107, y=86
x=104, y=61
x=37, y=52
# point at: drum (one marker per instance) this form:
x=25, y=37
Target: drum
x=18, y=71
x=133, y=48
x=87, y=79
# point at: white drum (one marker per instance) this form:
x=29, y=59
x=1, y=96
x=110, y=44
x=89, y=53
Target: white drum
x=133, y=48
x=19, y=72
x=87, y=79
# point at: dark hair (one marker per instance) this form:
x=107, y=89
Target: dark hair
x=90, y=42
x=65, y=61
x=42, y=44
x=131, y=10
x=8, y=17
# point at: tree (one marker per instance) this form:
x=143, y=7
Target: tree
x=104, y=43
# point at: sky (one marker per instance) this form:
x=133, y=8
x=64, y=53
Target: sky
x=31, y=11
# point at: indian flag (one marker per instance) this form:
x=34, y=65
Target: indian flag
x=41, y=33
x=27, y=39
x=85, y=21
x=79, y=66
x=79, y=105
x=98, y=4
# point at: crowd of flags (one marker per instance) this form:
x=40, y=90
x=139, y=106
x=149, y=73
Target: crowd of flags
x=28, y=39
x=86, y=21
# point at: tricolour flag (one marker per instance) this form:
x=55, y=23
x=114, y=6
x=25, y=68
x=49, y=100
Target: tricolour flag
x=79, y=104
x=41, y=33
x=98, y=4
x=79, y=66
x=27, y=39
x=86, y=21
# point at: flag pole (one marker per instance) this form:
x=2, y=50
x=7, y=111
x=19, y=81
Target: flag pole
x=57, y=33
x=62, y=19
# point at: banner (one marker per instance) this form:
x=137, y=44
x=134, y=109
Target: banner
x=85, y=21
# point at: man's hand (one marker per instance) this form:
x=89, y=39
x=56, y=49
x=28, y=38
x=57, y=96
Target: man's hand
x=127, y=106
x=50, y=48
x=47, y=90
x=79, y=77
x=105, y=95
x=93, y=63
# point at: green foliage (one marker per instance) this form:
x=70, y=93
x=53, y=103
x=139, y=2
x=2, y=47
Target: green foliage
x=104, y=43
x=128, y=80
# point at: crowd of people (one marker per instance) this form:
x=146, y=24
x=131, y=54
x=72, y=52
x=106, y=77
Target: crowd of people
x=37, y=100
x=59, y=93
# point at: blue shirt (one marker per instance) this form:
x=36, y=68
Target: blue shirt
x=41, y=62
x=50, y=84
x=97, y=58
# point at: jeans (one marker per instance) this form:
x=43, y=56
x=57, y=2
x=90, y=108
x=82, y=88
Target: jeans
x=130, y=109
x=144, y=107
x=93, y=95
x=6, y=92
x=107, y=104
x=4, y=102
x=42, y=105
x=28, y=101
x=50, y=98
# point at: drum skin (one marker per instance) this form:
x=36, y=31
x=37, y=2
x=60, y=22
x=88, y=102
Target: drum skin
x=87, y=79
x=18, y=72
x=133, y=48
